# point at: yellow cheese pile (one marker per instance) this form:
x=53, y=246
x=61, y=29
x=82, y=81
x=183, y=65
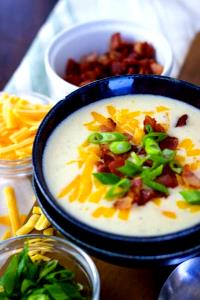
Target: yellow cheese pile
x=15, y=221
x=19, y=121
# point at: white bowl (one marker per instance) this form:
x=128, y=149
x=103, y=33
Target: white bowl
x=94, y=36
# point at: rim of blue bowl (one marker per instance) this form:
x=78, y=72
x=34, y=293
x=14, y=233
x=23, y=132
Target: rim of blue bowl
x=130, y=260
x=70, y=98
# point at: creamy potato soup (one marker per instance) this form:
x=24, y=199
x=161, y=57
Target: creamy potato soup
x=128, y=165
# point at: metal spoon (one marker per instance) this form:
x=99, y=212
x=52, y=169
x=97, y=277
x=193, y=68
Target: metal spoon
x=183, y=283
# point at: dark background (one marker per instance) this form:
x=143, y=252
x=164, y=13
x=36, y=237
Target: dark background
x=20, y=21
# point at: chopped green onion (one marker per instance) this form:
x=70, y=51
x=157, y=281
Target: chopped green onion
x=119, y=189
x=120, y=147
x=175, y=166
x=152, y=173
x=191, y=196
x=95, y=138
x=169, y=154
x=106, y=137
x=129, y=169
x=157, y=136
x=107, y=178
x=156, y=186
x=163, y=158
x=148, y=128
x=137, y=159
x=151, y=147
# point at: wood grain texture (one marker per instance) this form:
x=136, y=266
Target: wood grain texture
x=121, y=283
x=19, y=22
x=190, y=70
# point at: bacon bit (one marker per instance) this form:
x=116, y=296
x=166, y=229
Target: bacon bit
x=115, y=41
x=118, y=162
x=122, y=57
x=170, y=142
x=143, y=49
x=136, y=183
x=141, y=151
x=129, y=136
x=146, y=195
x=182, y=121
x=110, y=126
x=124, y=203
x=189, y=178
x=153, y=123
x=136, y=186
x=148, y=163
x=169, y=180
x=156, y=68
x=105, y=154
x=102, y=167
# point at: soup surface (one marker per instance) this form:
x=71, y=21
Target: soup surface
x=70, y=159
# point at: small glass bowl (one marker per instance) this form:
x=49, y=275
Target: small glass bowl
x=68, y=255
x=22, y=167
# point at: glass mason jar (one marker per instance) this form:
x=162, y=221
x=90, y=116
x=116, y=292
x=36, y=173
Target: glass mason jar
x=18, y=173
x=69, y=256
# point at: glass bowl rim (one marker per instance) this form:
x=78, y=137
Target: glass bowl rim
x=94, y=278
x=19, y=165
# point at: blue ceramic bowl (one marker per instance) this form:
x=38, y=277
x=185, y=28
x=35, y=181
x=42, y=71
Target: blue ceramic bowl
x=129, y=250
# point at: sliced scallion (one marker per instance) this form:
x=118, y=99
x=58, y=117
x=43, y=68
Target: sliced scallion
x=119, y=189
x=152, y=173
x=137, y=160
x=148, y=128
x=151, y=147
x=191, y=196
x=120, y=147
x=106, y=137
x=107, y=178
x=129, y=169
x=156, y=186
x=157, y=136
x=175, y=166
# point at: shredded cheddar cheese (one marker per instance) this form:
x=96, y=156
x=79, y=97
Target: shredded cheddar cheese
x=97, y=195
x=48, y=231
x=162, y=108
x=169, y=214
x=187, y=144
x=157, y=201
x=189, y=207
x=42, y=223
x=29, y=225
x=69, y=187
x=111, y=110
x=124, y=214
x=13, y=212
x=19, y=120
x=104, y=211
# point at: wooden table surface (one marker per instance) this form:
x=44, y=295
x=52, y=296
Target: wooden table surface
x=17, y=30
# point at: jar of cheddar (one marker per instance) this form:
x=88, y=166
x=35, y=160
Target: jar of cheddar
x=19, y=120
x=20, y=117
